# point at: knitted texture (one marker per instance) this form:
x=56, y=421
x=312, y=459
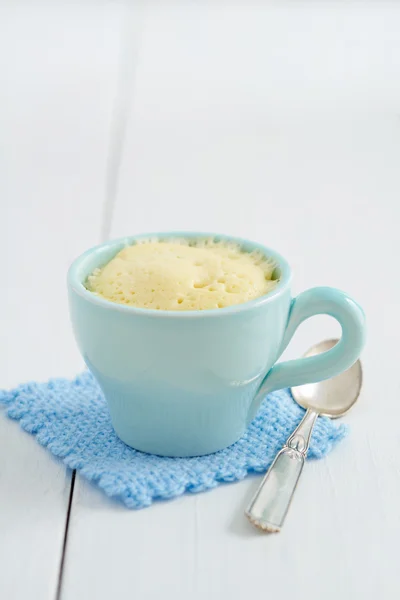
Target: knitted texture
x=71, y=419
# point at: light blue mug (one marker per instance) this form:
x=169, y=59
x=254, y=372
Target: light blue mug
x=187, y=383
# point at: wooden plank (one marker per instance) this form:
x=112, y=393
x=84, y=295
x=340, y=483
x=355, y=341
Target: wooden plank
x=58, y=67
x=280, y=125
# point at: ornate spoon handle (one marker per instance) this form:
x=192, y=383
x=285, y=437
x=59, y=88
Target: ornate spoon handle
x=269, y=507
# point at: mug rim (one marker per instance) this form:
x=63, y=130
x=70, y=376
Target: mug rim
x=76, y=284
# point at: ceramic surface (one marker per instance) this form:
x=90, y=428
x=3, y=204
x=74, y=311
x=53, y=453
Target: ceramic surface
x=188, y=383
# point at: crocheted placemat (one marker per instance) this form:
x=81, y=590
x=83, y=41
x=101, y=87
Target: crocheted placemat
x=71, y=419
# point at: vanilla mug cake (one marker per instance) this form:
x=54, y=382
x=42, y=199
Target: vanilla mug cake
x=181, y=275
x=182, y=332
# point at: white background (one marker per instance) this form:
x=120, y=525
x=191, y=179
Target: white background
x=277, y=121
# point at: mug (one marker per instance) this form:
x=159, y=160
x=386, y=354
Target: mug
x=188, y=383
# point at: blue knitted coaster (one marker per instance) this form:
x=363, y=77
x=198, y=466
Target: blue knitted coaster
x=71, y=419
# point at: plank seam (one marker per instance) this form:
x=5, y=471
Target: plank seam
x=128, y=59
x=64, y=547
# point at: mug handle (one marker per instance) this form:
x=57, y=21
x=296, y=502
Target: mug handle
x=317, y=301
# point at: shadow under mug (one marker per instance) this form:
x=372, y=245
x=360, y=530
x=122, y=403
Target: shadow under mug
x=187, y=383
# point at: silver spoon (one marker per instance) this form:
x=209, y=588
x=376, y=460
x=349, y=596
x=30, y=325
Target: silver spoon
x=334, y=398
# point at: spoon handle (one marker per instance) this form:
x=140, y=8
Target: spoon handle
x=269, y=507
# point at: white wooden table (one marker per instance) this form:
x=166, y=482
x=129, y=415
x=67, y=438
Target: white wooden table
x=277, y=121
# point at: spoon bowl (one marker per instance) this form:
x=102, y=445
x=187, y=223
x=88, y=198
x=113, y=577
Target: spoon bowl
x=332, y=397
